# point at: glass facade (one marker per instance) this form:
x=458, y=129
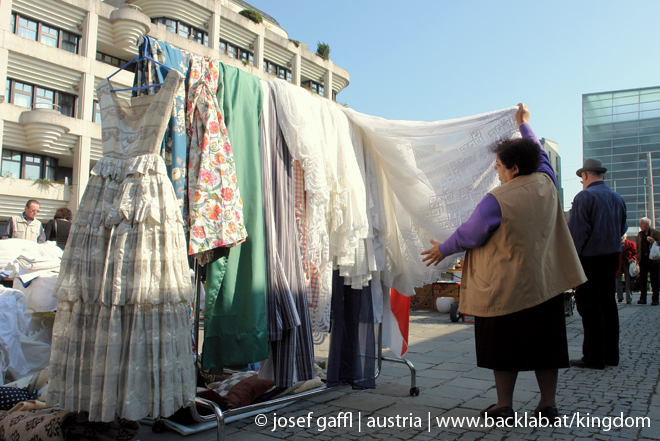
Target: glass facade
x=620, y=128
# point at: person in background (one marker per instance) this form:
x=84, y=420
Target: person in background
x=58, y=228
x=515, y=290
x=597, y=222
x=26, y=226
x=647, y=267
x=627, y=256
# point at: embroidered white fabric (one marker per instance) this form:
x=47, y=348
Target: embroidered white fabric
x=434, y=174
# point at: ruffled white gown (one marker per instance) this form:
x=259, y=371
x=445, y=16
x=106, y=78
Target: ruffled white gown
x=121, y=340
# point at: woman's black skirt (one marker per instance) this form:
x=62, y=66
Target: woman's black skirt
x=527, y=340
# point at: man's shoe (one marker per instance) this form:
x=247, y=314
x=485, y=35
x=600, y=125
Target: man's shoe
x=579, y=362
x=619, y=300
x=629, y=302
x=655, y=303
x=641, y=302
x=550, y=412
x=502, y=412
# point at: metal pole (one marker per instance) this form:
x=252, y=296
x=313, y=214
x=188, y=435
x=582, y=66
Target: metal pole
x=646, y=203
x=650, y=189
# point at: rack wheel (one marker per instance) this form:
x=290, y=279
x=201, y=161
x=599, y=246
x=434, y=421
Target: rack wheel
x=158, y=427
x=453, y=312
x=414, y=391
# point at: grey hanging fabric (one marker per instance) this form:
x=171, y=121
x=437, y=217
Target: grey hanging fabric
x=352, y=357
x=289, y=329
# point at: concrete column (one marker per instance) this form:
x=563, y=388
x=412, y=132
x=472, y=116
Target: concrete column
x=90, y=31
x=4, y=61
x=86, y=97
x=259, y=52
x=5, y=12
x=80, y=170
x=2, y=137
x=214, y=31
x=296, y=68
x=327, y=83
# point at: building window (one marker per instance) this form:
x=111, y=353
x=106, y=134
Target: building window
x=21, y=94
x=70, y=42
x=32, y=167
x=27, y=28
x=22, y=165
x=184, y=30
x=44, y=98
x=274, y=69
x=114, y=61
x=30, y=96
x=97, y=112
x=67, y=104
x=246, y=57
x=11, y=164
x=46, y=34
x=314, y=87
x=49, y=36
x=50, y=167
x=233, y=51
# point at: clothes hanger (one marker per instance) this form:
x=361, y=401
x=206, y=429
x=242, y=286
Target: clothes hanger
x=144, y=57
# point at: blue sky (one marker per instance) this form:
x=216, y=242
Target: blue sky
x=436, y=60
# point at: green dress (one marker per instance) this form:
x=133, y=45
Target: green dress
x=235, y=330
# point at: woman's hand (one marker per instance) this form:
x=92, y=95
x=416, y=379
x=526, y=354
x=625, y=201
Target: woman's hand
x=522, y=115
x=433, y=255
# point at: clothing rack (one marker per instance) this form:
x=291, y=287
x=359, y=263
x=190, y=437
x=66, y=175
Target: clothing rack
x=252, y=409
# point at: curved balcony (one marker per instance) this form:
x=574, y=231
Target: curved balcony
x=129, y=24
x=43, y=127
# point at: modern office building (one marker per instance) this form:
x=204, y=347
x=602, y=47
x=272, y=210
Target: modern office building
x=552, y=149
x=621, y=128
x=53, y=53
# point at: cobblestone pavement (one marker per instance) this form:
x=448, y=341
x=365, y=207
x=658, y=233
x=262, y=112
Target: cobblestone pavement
x=453, y=386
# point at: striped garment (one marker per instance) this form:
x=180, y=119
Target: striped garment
x=289, y=329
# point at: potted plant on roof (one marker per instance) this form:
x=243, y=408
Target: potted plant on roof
x=323, y=50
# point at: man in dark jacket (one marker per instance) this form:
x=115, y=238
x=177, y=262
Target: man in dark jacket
x=645, y=239
x=597, y=222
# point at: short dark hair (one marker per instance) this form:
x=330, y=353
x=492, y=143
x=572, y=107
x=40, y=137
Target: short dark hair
x=32, y=201
x=524, y=153
x=63, y=213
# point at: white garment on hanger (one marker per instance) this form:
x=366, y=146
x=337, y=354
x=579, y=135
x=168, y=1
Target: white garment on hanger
x=317, y=135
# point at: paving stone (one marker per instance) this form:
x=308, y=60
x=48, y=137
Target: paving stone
x=452, y=385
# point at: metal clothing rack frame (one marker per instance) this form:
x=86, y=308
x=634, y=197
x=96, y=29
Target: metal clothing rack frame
x=221, y=416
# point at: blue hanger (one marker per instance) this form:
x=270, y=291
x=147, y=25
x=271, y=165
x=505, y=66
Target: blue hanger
x=137, y=60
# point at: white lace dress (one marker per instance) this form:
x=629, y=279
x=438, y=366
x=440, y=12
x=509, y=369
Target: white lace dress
x=121, y=340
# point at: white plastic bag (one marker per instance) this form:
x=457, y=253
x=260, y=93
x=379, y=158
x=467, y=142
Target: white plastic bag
x=36, y=349
x=634, y=269
x=655, y=252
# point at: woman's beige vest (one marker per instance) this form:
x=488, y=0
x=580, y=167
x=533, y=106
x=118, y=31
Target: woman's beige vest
x=23, y=230
x=529, y=259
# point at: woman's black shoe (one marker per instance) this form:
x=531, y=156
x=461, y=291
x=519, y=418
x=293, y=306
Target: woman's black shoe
x=550, y=412
x=502, y=412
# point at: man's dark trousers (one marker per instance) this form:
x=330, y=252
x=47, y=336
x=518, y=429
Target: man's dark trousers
x=646, y=267
x=596, y=303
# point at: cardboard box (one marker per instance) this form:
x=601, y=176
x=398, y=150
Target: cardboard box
x=425, y=296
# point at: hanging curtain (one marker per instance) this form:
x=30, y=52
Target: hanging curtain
x=174, y=149
x=289, y=330
x=352, y=356
x=216, y=208
x=235, y=331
